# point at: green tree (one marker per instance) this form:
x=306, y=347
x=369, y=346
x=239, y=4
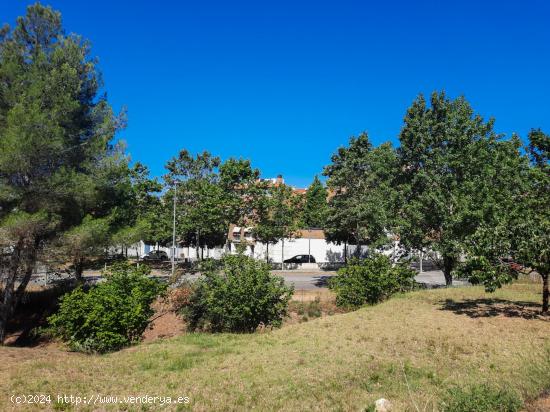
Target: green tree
x=518, y=240
x=315, y=205
x=279, y=215
x=141, y=214
x=195, y=181
x=242, y=189
x=360, y=178
x=78, y=244
x=451, y=173
x=56, y=163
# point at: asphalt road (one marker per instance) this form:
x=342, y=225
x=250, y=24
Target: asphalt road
x=302, y=280
x=319, y=279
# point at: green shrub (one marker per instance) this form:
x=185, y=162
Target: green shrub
x=111, y=314
x=370, y=281
x=238, y=297
x=480, y=398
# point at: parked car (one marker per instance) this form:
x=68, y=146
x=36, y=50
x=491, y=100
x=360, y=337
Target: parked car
x=301, y=259
x=156, y=255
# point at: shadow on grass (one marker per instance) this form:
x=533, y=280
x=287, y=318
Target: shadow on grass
x=486, y=308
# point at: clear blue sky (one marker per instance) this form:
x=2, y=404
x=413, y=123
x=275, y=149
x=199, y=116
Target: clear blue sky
x=285, y=83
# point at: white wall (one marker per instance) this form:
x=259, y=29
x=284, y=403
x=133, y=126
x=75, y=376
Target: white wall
x=321, y=250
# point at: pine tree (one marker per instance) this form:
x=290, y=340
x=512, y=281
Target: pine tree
x=315, y=206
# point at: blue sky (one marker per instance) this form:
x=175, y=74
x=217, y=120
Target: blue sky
x=285, y=83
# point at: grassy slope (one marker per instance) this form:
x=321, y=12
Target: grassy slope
x=407, y=350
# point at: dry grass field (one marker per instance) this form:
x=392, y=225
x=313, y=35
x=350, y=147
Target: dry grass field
x=409, y=350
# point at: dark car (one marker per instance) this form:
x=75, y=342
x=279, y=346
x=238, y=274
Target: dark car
x=156, y=255
x=301, y=259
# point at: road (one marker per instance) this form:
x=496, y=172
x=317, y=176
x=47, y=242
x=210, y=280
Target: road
x=301, y=279
x=312, y=280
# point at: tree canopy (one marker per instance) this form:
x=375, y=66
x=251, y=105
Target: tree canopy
x=57, y=164
x=315, y=205
x=452, y=170
x=360, y=178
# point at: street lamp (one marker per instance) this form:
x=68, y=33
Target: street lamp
x=174, y=231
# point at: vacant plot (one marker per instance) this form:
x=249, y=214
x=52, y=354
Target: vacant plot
x=409, y=350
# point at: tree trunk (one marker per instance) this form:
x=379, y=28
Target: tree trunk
x=267, y=253
x=23, y=256
x=283, y=254
x=78, y=269
x=448, y=266
x=545, y=293
x=346, y=253
x=197, y=240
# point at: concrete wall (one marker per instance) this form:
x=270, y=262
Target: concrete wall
x=320, y=249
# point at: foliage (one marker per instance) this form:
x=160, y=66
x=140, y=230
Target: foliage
x=193, y=180
x=239, y=298
x=360, y=177
x=370, y=281
x=520, y=238
x=79, y=243
x=315, y=206
x=144, y=214
x=279, y=215
x=242, y=188
x=453, y=171
x=210, y=195
x=56, y=163
x=481, y=398
x=112, y=314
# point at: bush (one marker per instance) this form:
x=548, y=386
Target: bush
x=111, y=314
x=370, y=281
x=237, y=298
x=480, y=398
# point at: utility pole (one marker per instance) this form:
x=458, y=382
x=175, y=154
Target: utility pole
x=283, y=254
x=174, y=232
x=309, y=246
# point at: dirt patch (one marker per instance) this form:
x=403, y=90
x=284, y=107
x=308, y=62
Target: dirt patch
x=541, y=404
x=309, y=305
x=165, y=322
x=165, y=325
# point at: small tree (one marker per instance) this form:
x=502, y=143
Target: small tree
x=242, y=188
x=238, y=298
x=202, y=214
x=82, y=242
x=279, y=216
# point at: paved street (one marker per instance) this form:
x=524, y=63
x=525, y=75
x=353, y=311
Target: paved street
x=312, y=280
x=301, y=279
